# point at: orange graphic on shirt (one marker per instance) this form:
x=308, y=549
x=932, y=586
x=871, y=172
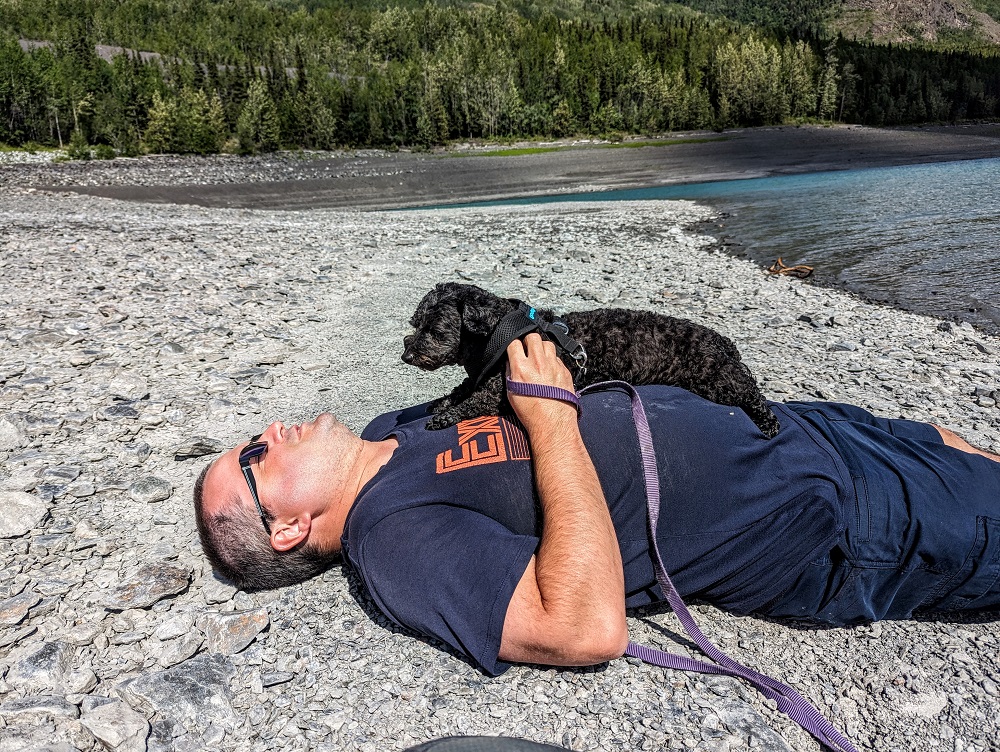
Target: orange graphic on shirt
x=482, y=441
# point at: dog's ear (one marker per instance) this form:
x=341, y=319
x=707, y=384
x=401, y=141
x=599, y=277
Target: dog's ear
x=481, y=310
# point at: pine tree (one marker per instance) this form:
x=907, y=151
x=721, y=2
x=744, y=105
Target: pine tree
x=258, y=128
x=160, y=136
x=826, y=107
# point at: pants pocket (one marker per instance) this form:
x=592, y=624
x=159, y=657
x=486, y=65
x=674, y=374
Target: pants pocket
x=977, y=583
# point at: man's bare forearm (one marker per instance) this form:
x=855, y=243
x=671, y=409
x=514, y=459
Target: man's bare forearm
x=569, y=606
x=578, y=566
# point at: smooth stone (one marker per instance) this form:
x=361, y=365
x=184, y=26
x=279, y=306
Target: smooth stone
x=194, y=694
x=20, y=513
x=229, y=633
x=117, y=726
x=151, y=583
x=197, y=446
x=150, y=490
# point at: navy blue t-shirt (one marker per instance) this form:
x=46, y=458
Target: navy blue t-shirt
x=444, y=531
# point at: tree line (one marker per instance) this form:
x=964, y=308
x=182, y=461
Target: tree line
x=250, y=76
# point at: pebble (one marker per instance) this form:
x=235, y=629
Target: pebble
x=150, y=489
x=116, y=726
x=13, y=610
x=194, y=695
x=139, y=341
x=149, y=584
x=197, y=446
x=41, y=668
x=20, y=513
x=230, y=633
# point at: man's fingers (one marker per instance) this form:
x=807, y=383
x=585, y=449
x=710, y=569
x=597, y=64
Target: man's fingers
x=524, y=348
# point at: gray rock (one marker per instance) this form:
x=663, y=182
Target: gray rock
x=60, y=472
x=192, y=695
x=81, y=489
x=38, y=708
x=135, y=453
x=176, y=626
x=117, y=726
x=11, y=436
x=12, y=638
x=276, y=677
x=121, y=411
x=127, y=386
x=20, y=513
x=44, y=667
x=198, y=446
x=180, y=649
x=82, y=634
x=215, y=590
x=230, y=633
x=13, y=610
x=843, y=347
x=150, y=489
x=151, y=583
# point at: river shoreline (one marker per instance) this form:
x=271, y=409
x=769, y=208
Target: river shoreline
x=373, y=180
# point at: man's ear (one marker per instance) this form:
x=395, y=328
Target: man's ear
x=287, y=535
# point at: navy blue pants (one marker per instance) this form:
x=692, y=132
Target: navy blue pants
x=922, y=533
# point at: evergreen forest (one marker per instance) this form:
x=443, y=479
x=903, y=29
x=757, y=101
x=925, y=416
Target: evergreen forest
x=200, y=76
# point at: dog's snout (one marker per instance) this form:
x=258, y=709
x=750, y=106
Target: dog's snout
x=408, y=357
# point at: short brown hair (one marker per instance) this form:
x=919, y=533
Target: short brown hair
x=238, y=548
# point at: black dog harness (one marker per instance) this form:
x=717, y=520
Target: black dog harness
x=519, y=322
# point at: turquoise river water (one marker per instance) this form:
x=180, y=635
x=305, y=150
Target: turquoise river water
x=921, y=237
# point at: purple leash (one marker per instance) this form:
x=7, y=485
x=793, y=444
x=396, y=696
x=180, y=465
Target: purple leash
x=789, y=702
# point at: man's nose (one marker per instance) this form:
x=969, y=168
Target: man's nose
x=273, y=432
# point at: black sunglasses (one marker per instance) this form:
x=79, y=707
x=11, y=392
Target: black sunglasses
x=254, y=450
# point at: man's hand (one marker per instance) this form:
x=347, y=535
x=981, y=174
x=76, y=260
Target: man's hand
x=568, y=609
x=535, y=362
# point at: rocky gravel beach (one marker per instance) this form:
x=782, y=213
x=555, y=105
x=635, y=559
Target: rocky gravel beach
x=139, y=340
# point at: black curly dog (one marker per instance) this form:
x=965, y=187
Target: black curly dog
x=454, y=321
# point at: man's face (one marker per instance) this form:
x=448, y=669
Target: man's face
x=299, y=473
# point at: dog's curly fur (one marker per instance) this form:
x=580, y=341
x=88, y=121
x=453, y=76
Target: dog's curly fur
x=454, y=321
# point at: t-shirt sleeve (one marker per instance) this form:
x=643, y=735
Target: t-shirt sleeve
x=448, y=573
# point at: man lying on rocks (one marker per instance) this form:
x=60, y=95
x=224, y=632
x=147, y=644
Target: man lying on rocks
x=528, y=546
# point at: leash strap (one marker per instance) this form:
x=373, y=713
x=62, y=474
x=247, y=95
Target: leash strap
x=789, y=702
x=543, y=390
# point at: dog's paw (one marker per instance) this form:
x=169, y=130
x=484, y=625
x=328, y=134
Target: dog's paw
x=442, y=404
x=442, y=420
x=769, y=426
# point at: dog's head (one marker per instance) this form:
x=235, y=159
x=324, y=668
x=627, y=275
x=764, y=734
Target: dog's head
x=452, y=325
